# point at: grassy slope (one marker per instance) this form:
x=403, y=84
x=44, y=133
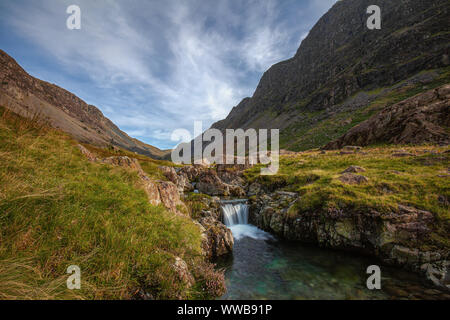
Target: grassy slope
x=57, y=209
x=412, y=181
x=312, y=132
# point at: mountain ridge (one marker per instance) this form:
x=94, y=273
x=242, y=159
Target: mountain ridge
x=29, y=96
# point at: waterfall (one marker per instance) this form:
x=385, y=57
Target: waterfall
x=234, y=213
x=235, y=217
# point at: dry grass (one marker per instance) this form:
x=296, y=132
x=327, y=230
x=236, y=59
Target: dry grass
x=57, y=209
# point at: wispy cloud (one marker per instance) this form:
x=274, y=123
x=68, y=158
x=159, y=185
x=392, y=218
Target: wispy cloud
x=154, y=66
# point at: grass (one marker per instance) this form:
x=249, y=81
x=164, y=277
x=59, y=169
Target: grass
x=313, y=132
x=196, y=203
x=412, y=181
x=149, y=165
x=57, y=209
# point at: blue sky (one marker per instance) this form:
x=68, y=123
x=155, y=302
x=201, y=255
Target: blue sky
x=156, y=66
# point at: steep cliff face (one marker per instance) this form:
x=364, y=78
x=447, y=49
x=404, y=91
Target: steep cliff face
x=31, y=97
x=342, y=67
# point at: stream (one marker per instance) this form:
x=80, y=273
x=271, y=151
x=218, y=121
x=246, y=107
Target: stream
x=264, y=267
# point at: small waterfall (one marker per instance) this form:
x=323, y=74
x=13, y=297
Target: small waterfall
x=235, y=212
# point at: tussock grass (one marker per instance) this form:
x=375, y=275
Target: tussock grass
x=57, y=209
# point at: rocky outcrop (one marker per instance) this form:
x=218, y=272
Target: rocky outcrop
x=31, y=97
x=158, y=192
x=396, y=236
x=218, y=181
x=179, y=177
x=351, y=178
x=218, y=239
x=182, y=271
x=424, y=118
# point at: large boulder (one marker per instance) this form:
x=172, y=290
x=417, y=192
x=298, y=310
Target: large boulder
x=210, y=183
x=218, y=239
x=180, y=178
x=124, y=162
x=182, y=271
x=350, y=178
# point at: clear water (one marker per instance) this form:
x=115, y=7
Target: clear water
x=263, y=267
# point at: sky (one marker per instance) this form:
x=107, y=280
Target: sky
x=156, y=66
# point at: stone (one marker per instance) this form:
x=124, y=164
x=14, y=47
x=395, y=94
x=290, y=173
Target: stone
x=254, y=189
x=89, y=155
x=217, y=238
x=183, y=273
x=402, y=154
x=350, y=178
x=180, y=179
x=170, y=197
x=124, y=162
x=354, y=169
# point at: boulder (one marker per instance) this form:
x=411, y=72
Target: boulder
x=210, y=183
x=354, y=169
x=182, y=271
x=350, y=178
x=180, y=179
x=170, y=197
x=218, y=239
x=124, y=162
x=90, y=156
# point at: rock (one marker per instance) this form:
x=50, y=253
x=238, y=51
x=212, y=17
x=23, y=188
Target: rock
x=209, y=183
x=170, y=197
x=237, y=191
x=402, y=154
x=152, y=190
x=183, y=273
x=438, y=273
x=124, y=162
x=354, y=169
x=87, y=153
x=287, y=194
x=395, y=236
x=180, y=179
x=350, y=178
x=217, y=238
x=254, y=189
x=352, y=148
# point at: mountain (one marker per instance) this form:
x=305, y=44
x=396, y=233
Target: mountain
x=343, y=73
x=31, y=97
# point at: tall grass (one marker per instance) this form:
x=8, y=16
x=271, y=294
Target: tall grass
x=57, y=209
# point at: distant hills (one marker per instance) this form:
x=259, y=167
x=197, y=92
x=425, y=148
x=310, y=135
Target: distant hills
x=31, y=97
